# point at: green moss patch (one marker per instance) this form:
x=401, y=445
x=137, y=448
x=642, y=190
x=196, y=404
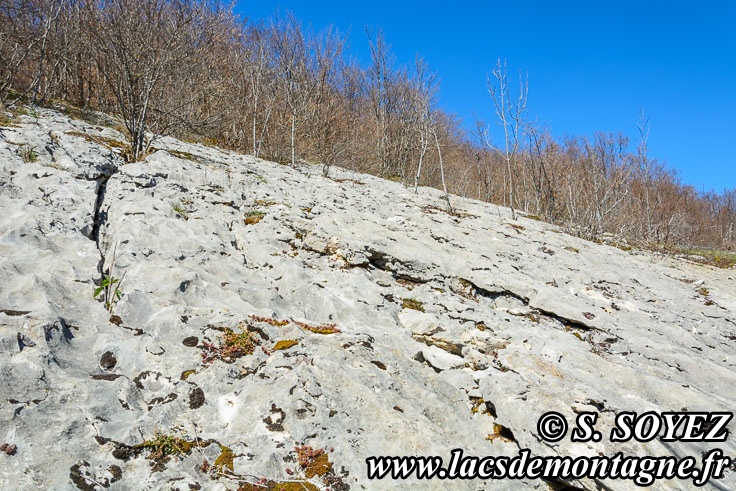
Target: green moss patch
x=110, y=143
x=412, y=303
x=186, y=373
x=183, y=155
x=225, y=459
x=162, y=447
x=252, y=220
x=502, y=433
x=408, y=284
x=516, y=227
x=313, y=462
x=285, y=344
x=268, y=485
x=480, y=406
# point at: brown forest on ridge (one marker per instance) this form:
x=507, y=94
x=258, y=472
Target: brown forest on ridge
x=283, y=92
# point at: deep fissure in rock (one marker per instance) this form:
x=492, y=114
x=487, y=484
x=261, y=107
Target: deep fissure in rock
x=99, y=215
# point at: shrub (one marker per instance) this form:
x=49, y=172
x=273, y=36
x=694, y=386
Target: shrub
x=232, y=346
x=28, y=153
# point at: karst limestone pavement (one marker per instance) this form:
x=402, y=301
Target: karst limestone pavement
x=450, y=331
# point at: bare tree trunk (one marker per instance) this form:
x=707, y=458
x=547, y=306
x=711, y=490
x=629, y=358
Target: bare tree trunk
x=42, y=55
x=293, y=131
x=442, y=172
x=255, y=115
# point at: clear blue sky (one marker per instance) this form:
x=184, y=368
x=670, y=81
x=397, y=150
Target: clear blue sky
x=591, y=65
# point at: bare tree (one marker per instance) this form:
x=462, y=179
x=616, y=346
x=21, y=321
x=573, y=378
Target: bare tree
x=378, y=78
x=646, y=167
x=257, y=71
x=137, y=44
x=295, y=84
x=191, y=68
x=327, y=108
x=510, y=115
x=50, y=13
x=424, y=90
x=600, y=185
x=20, y=33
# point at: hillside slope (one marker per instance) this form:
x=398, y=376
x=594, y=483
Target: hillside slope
x=454, y=331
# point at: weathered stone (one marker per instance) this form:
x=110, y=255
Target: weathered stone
x=440, y=359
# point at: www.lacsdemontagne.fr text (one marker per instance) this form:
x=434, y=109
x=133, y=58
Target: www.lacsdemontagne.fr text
x=643, y=471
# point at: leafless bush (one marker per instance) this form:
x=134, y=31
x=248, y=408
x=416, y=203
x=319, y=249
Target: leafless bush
x=151, y=54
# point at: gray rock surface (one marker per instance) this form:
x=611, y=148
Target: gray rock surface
x=518, y=319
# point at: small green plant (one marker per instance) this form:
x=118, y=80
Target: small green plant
x=178, y=208
x=232, y=346
x=111, y=294
x=28, y=153
x=254, y=217
x=162, y=447
x=162, y=444
x=34, y=114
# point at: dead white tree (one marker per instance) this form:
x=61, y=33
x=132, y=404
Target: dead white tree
x=327, y=108
x=646, y=169
x=258, y=73
x=50, y=11
x=442, y=166
x=510, y=113
x=423, y=93
x=295, y=83
x=599, y=185
x=379, y=77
